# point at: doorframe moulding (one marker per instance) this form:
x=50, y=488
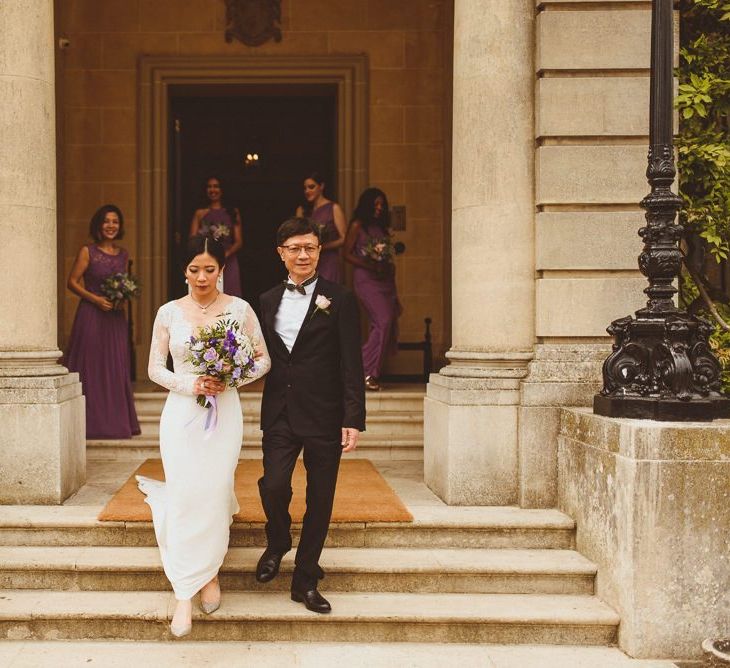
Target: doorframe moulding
x=155, y=77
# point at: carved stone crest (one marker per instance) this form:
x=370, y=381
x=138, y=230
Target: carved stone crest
x=253, y=22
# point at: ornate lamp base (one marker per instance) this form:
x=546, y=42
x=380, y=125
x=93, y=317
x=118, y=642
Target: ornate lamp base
x=661, y=369
x=673, y=410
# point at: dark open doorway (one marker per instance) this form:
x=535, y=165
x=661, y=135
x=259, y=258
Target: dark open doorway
x=291, y=128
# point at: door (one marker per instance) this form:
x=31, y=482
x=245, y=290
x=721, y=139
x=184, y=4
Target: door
x=260, y=141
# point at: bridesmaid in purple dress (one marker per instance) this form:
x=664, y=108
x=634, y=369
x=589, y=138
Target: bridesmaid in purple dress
x=374, y=281
x=331, y=219
x=99, y=347
x=223, y=224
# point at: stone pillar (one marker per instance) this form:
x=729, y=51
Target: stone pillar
x=42, y=438
x=471, y=408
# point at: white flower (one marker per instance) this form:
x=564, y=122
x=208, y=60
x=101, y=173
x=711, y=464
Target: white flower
x=322, y=302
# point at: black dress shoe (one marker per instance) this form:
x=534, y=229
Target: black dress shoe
x=312, y=600
x=268, y=567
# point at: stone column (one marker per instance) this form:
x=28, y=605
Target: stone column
x=471, y=408
x=42, y=437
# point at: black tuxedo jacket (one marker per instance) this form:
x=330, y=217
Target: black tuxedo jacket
x=321, y=382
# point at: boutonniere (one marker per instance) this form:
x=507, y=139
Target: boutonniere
x=321, y=303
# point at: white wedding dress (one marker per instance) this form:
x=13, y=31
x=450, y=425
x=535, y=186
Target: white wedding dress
x=192, y=510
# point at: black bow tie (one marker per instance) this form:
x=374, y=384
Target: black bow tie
x=300, y=288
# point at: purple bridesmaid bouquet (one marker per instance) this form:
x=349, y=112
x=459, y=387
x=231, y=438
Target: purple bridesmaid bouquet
x=120, y=287
x=380, y=249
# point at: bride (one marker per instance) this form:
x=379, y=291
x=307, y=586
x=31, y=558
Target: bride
x=192, y=510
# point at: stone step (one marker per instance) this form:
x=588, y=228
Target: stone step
x=399, y=424
x=433, y=527
x=120, y=654
x=348, y=569
x=410, y=400
x=139, y=448
x=356, y=617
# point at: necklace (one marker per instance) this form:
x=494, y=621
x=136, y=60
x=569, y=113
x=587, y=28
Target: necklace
x=205, y=308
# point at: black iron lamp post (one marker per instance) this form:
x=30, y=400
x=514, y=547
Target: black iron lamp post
x=661, y=367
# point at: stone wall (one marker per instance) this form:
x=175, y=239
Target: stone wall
x=650, y=501
x=591, y=129
x=409, y=50
x=592, y=122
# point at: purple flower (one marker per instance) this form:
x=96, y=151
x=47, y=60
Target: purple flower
x=210, y=355
x=219, y=365
x=236, y=373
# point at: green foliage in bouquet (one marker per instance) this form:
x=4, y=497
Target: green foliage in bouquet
x=222, y=351
x=120, y=287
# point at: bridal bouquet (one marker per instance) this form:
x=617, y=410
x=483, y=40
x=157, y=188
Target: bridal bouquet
x=120, y=287
x=224, y=352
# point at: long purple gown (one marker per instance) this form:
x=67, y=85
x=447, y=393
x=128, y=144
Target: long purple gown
x=380, y=299
x=99, y=351
x=330, y=262
x=218, y=219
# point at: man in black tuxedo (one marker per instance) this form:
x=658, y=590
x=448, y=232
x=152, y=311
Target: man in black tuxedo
x=314, y=400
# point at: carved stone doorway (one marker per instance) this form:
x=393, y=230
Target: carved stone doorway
x=160, y=77
x=260, y=142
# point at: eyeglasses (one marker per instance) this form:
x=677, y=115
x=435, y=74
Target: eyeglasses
x=296, y=250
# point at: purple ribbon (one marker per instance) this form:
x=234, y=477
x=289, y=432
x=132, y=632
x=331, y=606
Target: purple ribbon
x=211, y=416
x=211, y=419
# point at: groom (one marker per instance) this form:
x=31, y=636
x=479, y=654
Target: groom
x=314, y=400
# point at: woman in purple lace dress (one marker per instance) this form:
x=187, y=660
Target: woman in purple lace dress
x=99, y=346
x=331, y=220
x=374, y=279
x=223, y=223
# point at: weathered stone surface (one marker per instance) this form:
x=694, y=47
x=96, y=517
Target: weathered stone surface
x=121, y=654
x=492, y=222
x=592, y=303
x=593, y=106
x=42, y=450
x=470, y=416
x=559, y=375
x=569, y=240
x=591, y=174
x=470, y=452
x=604, y=39
x=651, y=506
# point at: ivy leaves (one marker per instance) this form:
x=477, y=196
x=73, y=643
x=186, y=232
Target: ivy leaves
x=703, y=103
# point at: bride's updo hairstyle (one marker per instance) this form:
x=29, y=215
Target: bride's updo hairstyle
x=198, y=245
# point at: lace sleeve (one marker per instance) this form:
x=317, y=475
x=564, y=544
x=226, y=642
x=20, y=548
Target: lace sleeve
x=251, y=326
x=157, y=370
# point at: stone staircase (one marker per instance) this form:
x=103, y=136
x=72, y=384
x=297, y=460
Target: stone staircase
x=394, y=427
x=473, y=579
x=454, y=575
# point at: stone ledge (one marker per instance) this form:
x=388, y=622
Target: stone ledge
x=648, y=439
x=650, y=505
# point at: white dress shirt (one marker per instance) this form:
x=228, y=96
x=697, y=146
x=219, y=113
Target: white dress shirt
x=292, y=311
